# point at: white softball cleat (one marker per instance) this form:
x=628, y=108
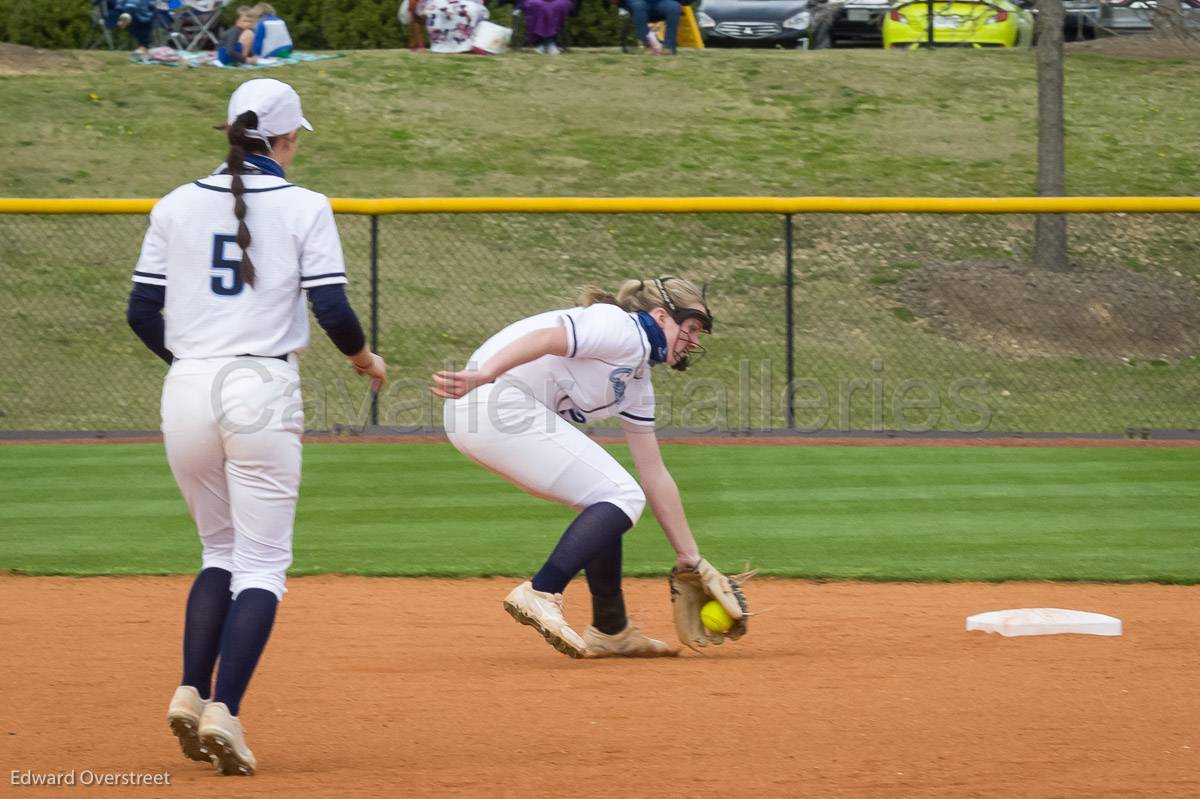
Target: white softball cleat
x=629, y=643
x=222, y=735
x=183, y=715
x=544, y=612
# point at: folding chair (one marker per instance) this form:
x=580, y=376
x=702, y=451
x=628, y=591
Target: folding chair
x=194, y=24
x=103, y=34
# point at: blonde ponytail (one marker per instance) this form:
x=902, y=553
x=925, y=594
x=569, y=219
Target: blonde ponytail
x=590, y=295
x=673, y=293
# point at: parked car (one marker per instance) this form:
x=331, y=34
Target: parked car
x=958, y=23
x=756, y=23
x=1080, y=20
x=857, y=21
x=1137, y=16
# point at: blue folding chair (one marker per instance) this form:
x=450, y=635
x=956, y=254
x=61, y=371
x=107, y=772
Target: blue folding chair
x=193, y=24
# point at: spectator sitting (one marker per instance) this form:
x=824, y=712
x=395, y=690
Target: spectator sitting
x=136, y=16
x=271, y=37
x=667, y=10
x=258, y=33
x=237, y=43
x=451, y=23
x=544, y=21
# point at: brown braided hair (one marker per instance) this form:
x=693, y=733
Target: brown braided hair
x=239, y=145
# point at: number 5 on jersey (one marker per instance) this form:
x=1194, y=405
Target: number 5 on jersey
x=226, y=272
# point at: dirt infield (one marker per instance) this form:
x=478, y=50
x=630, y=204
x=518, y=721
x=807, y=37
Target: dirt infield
x=422, y=688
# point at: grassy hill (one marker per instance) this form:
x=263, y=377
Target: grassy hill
x=393, y=123
x=845, y=122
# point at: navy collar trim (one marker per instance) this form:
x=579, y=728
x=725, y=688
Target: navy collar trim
x=256, y=165
x=656, y=337
x=247, y=191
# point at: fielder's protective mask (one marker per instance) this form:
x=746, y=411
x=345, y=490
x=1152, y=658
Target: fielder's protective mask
x=682, y=314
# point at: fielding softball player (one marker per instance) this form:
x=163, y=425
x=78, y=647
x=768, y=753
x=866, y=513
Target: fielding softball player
x=231, y=408
x=510, y=411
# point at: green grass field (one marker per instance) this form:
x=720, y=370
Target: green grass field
x=859, y=512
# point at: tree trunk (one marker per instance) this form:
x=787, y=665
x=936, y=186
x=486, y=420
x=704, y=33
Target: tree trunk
x=1050, y=230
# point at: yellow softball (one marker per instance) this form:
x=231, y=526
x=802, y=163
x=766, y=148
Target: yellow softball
x=714, y=617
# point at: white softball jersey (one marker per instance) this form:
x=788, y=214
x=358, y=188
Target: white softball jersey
x=191, y=248
x=232, y=424
x=606, y=371
x=515, y=426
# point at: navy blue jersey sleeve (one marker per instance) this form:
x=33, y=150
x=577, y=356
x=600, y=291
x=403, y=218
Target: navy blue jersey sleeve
x=144, y=314
x=335, y=316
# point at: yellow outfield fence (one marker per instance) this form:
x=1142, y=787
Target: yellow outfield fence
x=833, y=314
x=672, y=205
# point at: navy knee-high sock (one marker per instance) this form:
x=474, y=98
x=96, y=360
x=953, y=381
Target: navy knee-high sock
x=604, y=581
x=596, y=529
x=207, y=606
x=242, y=642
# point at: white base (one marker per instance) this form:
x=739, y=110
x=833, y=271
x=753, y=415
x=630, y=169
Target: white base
x=1043, y=621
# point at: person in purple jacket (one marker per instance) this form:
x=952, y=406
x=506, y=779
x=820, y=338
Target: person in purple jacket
x=544, y=21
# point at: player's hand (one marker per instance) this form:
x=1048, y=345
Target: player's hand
x=453, y=385
x=369, y=364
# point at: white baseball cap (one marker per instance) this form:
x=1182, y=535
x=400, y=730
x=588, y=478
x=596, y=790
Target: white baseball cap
x=276, y=104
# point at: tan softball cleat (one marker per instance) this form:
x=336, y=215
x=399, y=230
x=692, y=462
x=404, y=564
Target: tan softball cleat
x=183, y=715
x=222, y=735
x=629, y=643
x=544, y=612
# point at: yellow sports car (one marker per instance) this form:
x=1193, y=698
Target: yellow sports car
x=958, y=23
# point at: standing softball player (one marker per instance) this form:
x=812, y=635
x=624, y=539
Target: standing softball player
x=230, y=257
x=509, y=412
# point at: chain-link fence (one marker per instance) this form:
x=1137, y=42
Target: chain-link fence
x=823, y=321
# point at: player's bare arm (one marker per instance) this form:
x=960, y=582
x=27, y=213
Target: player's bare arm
x=662, y=493
x=693, y=580
x=529, y=347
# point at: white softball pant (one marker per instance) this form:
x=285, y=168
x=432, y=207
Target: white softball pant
x=232, y=429
x=504, y=429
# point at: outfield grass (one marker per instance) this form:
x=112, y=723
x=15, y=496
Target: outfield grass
x=863, y=513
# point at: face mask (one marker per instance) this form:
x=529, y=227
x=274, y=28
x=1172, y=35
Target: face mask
x=680, y=315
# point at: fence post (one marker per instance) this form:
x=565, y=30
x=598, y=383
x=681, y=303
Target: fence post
x=791, y=322
x=374, y=308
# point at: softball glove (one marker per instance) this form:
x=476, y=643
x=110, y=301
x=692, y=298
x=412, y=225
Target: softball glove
x=692, y=588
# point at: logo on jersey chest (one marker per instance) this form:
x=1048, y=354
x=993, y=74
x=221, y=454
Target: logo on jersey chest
x=618, y=377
